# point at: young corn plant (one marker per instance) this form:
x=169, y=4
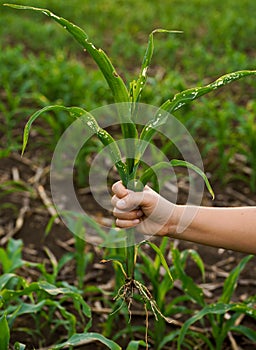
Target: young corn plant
x=44, y=302
x=127, y=98
x=223, y=315
x=161, y=286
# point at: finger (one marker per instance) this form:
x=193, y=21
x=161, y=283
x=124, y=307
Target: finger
x=127, y=223
x=114, y=200
x=119, y=189
x=127, y=215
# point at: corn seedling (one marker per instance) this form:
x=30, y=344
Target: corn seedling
x=82, y=257
x=43, y=301
x=10, y=258
x=222, y=315
x=161, y=285
x=127, y=98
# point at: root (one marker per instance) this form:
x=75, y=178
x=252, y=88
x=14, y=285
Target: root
x=126, y=292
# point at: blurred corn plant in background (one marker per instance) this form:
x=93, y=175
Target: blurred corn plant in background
x=126, y=99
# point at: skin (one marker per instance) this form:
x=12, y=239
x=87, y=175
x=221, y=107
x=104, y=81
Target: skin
x=229, y=228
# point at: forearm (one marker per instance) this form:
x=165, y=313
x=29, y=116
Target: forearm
x=230, y=228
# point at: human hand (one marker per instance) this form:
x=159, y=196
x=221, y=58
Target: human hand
x=147, y=210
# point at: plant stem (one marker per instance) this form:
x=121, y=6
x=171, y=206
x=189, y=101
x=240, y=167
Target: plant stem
x=130, y=253
x=130, y=239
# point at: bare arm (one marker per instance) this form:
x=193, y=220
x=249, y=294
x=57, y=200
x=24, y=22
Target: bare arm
x=230, y=228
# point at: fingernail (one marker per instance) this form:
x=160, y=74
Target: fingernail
x=139, y=213
x=121, y=204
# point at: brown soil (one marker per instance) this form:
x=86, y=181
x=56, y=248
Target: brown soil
x=31, y=229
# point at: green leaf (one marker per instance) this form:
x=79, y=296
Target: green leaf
x=75, y=111
x=50, y=289
x=134, y=344
x=200, y=338
x=91, y=124
x=186, y=96
x=8, y=277
x=168, y=339
x=73, y=217
x=4, y=333
x=160, y=254
x=114, y=81
x=24, y=308
x=249, y=333
x=117, y=263
x=163, y=247
x=209, y=309
x=174, y=163
x=219, y=308
x=84, y=338
x=10, y=258
x=197, y=259
x=53, y=290
x=136, y=87
x=188, y=285
x=147, y=267
x=19, y=346
x=243, y=308
x=231, y=280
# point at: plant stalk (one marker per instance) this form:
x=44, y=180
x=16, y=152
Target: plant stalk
x=130, y=253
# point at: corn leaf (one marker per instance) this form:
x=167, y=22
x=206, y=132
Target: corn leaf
x=231, y=281
x=219, y=309
x=135, y=344
x=136, y=86
x=50, y=289
x=19, y=346
x=188, y=285
x=168, y=339
x=91, y=124
x=248, y=332
x=72, y=218
x=10, y=278
x=174, y=163
x=114, y=81
x=117, y=263
x=163, y=247
x=4, y=333
x=11, y=257
x=196, y=258
x=186, y=96
x=161, y=257
x=149, y=270
x=85, y=338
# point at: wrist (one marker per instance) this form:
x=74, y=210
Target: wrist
x=174, y=220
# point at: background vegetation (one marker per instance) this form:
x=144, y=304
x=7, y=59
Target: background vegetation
x=42, y=65
x=217, y=38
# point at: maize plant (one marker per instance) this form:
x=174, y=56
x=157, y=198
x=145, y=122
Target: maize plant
x=128, y=96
